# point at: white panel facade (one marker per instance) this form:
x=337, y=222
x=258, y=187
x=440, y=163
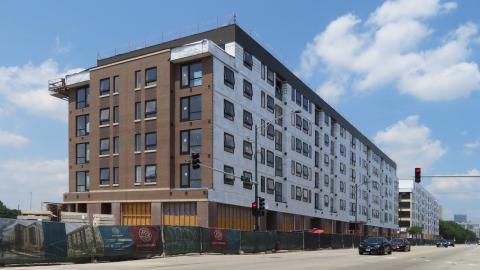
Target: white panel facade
x=325, y=188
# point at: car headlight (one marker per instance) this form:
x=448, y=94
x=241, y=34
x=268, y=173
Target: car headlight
x=377, y=246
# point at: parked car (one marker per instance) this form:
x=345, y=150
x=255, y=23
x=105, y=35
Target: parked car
x=442, y=243
x=451, y=243
x=375, y=245
x=400, y=244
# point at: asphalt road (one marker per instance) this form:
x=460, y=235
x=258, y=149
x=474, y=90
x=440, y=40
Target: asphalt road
x=420, y=258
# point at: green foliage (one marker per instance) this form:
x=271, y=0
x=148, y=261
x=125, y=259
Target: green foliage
x=451, y=230
x=5, y=212
x=415, y=230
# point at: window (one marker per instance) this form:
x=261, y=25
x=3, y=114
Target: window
x=270, y=131
x=229, y=77
x=270, y=186
x=83, y=153
x=247, y=150
x=116, y=175
x=248, y=182
x=151, y=76
x=305, y=172
x=247, y=89
x=278, y=192
x=326, y=159
x=262, y=127
x=247, y=59
x=326, y=139
x=326, y=180
x=262, y=184
x=150, y=173
x=305, y=149
x=270, y=76
x=317, y=201
x=278, y=140
x=138, y=110
x=191, y=108
x=104, y=86
x=138, y=174
x=278, y=115
x=104, y=176
x=270, y=104
x=317, y=180
x=247, y=119
x=82, y=181
x=82, y=98
x=270, y=159
x=150, y=108
x=298, y=98
x=298, y=169
x=262, y=155
x=278, y=166
x=229, y=175
x=190, y=178
x=191, y=141
x=116, y=115
x=138, y=143
x=305, y=103
x=262, y=99
x=116, y=84
x=138, y=79
x=228, y=110
x=306, y=126
x=325, y=200
x=104, y=146
x=150, y=141
x=228, y=143
x=104, y=116
x=83, y=125
x=262, y=71
x=116, y=144
x=306, y=197
x=191, y=75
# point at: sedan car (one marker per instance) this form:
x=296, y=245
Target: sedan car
x=400, y=244
x=442, y=243
x=375, y=245
x=451, y=243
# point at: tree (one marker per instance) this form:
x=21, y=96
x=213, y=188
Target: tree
x=451, y=230
x=415, y=230
x=5, y=212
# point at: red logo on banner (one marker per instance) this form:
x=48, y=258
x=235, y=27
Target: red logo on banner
x=218, y=240
x=146, y=238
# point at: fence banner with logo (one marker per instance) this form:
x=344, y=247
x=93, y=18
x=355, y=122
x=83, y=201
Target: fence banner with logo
x=222, y=241
x=21, y=241
x=117, y=241
x=147, y=240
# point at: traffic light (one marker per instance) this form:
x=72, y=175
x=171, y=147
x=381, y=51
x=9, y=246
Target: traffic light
x=418, y=175
x=195, y=161
x=254, y=209
x=261, y=206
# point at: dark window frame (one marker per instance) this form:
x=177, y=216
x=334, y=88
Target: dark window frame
x=247, y=89
x=229, y=77
x=84, y=131
x=186, y=102
x=147, y=177
x=85, y=101
x=149, y=146
x=246, y=147
x=228, y=175
x=104, y=181
x=150, y=81
x=190, y=79
x=247, y=59
x=104, y=151
x=226, y=147
x=103, y=89
x=82, y=159
x=104, y=121
x=226, y=113
x=247, y=119
x=153, y=113
x=86, y=180
x=189, y=145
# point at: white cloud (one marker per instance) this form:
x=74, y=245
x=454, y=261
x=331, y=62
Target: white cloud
x=410, y=145
x=471, y=146
x=60, y=47
x=332, y=91
x=457, y=187
x=12, y=139
x=46, y=179
x=387, y=50
x=26, y=87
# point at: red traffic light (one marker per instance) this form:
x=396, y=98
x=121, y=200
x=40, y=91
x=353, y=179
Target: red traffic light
x=254, y=205
x=418, y=175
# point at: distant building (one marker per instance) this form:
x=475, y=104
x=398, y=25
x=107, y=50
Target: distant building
x=471, y=227
x=418, y=207
x=460, y=218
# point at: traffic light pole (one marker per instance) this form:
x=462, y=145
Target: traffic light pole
x=257, y=217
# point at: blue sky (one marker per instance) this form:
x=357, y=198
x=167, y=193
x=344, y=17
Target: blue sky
x=405, y=74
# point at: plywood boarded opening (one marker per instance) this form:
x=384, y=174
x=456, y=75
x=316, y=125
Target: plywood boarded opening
x=136, y=214
x=234, y=217
x=180, y=213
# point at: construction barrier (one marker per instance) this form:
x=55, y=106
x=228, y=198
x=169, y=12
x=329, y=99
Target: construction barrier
x=182, y=240
x=289, y=241
x=252, y=242
x=24, y=241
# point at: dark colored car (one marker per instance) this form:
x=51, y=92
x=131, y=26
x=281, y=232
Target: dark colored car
x=451, y=243
x=442, y=243
x=400, y=244
x=375, y=245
